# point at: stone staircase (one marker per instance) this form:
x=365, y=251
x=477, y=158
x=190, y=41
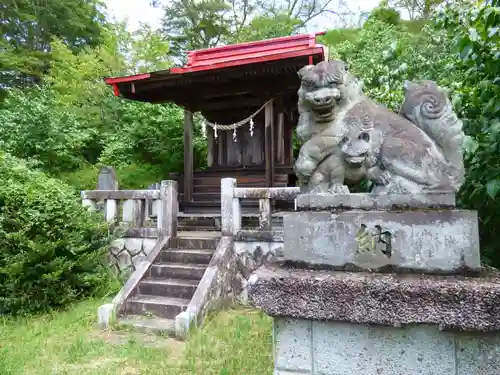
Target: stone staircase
x=170, y=283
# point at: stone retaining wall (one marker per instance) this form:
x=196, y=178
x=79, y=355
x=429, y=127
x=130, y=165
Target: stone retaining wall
x=310, y=347
x=248, y=256
x=126, y=253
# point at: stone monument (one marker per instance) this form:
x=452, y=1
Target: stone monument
x=107, y=180
x=388, y=282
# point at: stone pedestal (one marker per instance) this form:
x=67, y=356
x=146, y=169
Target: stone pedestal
x=417, y=233
x=406, y=306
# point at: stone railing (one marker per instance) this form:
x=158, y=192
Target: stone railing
x=145, y=216
x=255, y=247
x=231, y=197
x=138, y=209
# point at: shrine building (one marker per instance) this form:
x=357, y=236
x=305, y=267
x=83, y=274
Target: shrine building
x=247, y=96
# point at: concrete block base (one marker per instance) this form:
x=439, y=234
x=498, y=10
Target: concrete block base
x=337, y=348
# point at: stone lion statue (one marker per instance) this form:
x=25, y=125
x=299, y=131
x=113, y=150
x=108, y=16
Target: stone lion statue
x=348, y=137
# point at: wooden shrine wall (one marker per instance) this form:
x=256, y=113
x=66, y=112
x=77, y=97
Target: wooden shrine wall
x=248, y=150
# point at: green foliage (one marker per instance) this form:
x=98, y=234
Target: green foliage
x=130, y=176
x=266, y=27
x=33, y=127
x=420, y=9
x=150, y=134
x=413, y=26
x=385, y=55
x=194, y=24
x=75, y=79
x=84, y=178
x=334, y=38
x=27, y=29
x=475, y=34
x=139, y=176
x=337, y=36
x=191, y=24
x=384, y=14
x=51, y=247
x=74, y=120
x=149, y=51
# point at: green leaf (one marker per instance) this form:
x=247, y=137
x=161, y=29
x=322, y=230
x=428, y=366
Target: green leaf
x=473, y=35
x=492, y=31
x=470, y=145
x=492, y=188
x=466, y=50
x=495, y=126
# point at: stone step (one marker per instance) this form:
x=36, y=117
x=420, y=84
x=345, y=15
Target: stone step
x=157, y=326
x=196, y=256
x=191, y=228
x=197, y=242
x=177, y=288
x=202, y=221
x=177, y=271
x=213, y=223
x=208, y=208
x=157, y=306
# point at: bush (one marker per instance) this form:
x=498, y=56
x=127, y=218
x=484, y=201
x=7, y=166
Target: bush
x=51, y=247
x=151, y=134
x=84, y=178
x=33, y=127
x=383, y=14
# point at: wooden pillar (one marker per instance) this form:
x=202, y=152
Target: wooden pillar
x=280, y=134
x=288, y=139
x=223, y=142
x=188, y=156
x=220, y=148
x=211, y=152
x=269, y=143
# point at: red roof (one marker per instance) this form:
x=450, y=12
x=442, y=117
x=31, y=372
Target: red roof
x=238, y=76
x=239, y=54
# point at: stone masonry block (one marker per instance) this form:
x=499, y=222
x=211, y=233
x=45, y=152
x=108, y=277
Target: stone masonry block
x=117, y=246
x=124, y=260
x=139, y=258
x=148, y=244
x=432, y=241
x=338, y=348
x=478, y=354
x=134, y=245
x=292, y=339
x=349, y=349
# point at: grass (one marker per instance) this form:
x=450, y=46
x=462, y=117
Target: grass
x=236, y=342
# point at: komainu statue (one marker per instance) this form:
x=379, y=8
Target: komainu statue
x=348, y=137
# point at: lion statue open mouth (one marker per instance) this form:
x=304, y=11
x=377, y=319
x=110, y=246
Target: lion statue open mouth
x=319, y=91
x=419, y=149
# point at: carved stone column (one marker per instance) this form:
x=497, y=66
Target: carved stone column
x=375, y=285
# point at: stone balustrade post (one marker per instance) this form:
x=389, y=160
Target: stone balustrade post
x=90, y=203
x=169, y=208
x=230, y=208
